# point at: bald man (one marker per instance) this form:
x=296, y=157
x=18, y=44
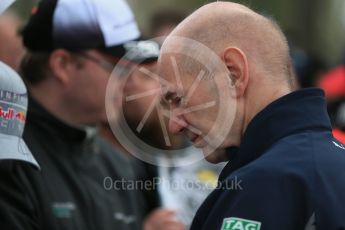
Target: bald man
x=285, y=170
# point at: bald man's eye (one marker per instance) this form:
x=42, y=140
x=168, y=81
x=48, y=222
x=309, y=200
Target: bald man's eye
x=176, y=101
x=173, y=99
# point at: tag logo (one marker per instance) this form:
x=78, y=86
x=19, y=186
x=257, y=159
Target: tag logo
x=63, y=209
x=234, y=223
x=124, y=218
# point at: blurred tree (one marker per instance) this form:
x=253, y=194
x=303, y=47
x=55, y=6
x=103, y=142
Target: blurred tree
x=23, y=7
x=317, y=26
x=313, y=25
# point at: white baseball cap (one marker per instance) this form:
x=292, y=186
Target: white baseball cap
x=13, y=107
x=76, y=25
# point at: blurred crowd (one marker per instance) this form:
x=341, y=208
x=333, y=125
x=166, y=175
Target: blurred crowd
x=69, y=134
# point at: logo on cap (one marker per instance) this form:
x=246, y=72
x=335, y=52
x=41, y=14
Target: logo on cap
x=11, y=114
x=233, y=223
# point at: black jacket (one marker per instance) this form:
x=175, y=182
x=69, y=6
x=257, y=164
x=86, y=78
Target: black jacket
x=288, y=174
x=75, y=187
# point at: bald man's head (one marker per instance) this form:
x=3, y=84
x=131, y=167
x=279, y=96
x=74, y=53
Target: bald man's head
x=220, y=67
x=223, y=24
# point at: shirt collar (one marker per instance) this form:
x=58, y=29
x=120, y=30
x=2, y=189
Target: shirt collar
x=298, y=111
x=39, y=115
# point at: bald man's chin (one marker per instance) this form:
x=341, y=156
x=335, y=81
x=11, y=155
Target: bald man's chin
x=216, y=156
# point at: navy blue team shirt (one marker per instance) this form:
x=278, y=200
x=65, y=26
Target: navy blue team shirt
x=287, y=174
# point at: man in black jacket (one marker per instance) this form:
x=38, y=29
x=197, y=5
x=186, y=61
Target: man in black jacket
x=285, y=170
x=84, y=184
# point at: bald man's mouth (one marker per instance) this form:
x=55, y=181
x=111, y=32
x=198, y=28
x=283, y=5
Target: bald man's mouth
x=197, y=141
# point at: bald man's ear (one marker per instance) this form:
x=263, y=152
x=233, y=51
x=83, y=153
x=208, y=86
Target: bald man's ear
x=237, y=64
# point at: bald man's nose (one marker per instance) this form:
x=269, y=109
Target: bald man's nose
x=176, y=123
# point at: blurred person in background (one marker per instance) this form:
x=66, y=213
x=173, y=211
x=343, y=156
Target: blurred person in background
x=11, y=47
x=72, y=49
x=157, y=218
x=14, y=153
